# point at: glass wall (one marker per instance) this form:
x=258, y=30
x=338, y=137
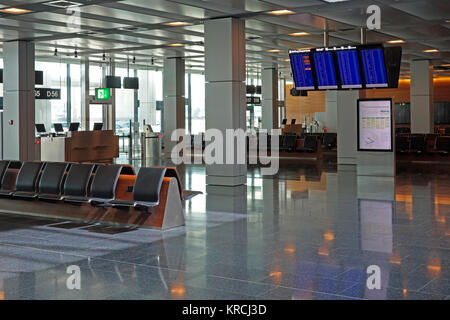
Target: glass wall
x=52, y=111
x=149, y=93
x=197, y=96
x=75, y=86
x=124, y=104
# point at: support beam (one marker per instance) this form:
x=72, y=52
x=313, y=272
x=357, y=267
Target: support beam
x=174, y=100
x=347, y=123
x=270, y=98
x=85, y=121
x=422, y=108
x=225, y=91
x=19, y=107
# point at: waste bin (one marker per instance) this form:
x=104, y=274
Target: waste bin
x=151, y=143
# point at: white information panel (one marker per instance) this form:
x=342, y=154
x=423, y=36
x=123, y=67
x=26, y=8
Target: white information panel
x=375, y=125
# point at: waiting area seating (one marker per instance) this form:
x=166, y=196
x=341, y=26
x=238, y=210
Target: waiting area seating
x=422, y=143
x=91, y=184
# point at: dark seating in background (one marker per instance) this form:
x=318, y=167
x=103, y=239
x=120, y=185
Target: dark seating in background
x=402, y=144
x=330, y=140
x=447, y=131
x=310, y=144
x=417, y=144
x=288, y=142
x=443, y=144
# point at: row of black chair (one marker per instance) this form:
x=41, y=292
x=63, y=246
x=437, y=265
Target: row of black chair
x=418, y=143
x=69, y=183
x=446, y=131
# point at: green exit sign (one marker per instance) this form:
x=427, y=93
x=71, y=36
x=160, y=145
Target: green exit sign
x=102, y=94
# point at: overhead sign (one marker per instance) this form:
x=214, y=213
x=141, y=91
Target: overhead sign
x=375, y=131
x=47, y=94
x=254, y=100
x=103, y=94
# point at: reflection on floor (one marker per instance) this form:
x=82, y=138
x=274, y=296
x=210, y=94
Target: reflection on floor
x=311, y=232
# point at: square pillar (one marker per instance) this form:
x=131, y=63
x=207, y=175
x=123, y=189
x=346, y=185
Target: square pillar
x=225, y=91
x=85, y=99
x=269, y=98
x=422, y=107
x=347, y=126
x=19, y=108
x=174, y=100
x=330, y=116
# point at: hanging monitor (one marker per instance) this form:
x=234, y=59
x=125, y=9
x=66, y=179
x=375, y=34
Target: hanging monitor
x=325, y=69
x=372, y=59
x=349, y=69
x=113, y=82
x=131, y=83
x=39, y=77
x=302, y=70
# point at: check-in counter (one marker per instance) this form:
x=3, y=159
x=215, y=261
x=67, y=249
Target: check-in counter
x=81, y=146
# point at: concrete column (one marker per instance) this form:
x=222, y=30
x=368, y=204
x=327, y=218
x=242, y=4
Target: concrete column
x=346, y=126
x=269, y=101
x=19, y=108
x=422, y=107
x=174, y=100
x=85, y=121
x=330, y=116
x=225, y=91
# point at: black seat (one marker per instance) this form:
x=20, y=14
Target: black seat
x=27, y=179
x=50, y=185
x=4, y=164
x=310, y=144
x=418, y=144
x=329, y=140
x=443, y=144
x=103, y=187
x=402, y=144
x=146, y=190
x=77, y=181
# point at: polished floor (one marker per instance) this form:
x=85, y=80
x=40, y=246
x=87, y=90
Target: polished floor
x=311, y=232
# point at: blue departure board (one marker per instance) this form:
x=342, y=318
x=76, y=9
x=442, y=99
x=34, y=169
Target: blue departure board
x=302, y=72
x=349, y=69
x=374, y=67
x=325, y=70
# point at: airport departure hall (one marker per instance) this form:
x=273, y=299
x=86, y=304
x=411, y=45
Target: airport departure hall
x=235, y=150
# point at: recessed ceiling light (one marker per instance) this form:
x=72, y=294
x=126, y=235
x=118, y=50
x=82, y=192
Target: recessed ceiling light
x=273, y=50
x=63, y=4
x=287, y=60
x=308, y=48
x=177, y=24
x=431, y=51
x=396, y=41
x=333, y=1
x=298, y=34
x=281, y=12
x=15, y=10
x=176, y=45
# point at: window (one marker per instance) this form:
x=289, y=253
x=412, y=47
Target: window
x=75, y=81
x=198, y=103
x=52, y=111
x=124, y=104
x=150, y=95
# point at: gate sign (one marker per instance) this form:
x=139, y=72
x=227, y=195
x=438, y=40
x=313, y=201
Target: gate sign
x=253, y=100
x=47, y=94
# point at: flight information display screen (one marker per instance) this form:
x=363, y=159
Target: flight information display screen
x=374, y=67
x=302, y=71
x=349, y=69
x=325, y=70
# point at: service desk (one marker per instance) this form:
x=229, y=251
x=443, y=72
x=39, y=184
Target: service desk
x=81, y=146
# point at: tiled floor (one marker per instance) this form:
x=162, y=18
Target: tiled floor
x=310, y=232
